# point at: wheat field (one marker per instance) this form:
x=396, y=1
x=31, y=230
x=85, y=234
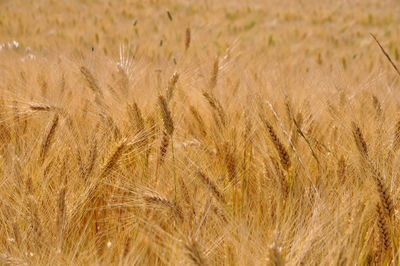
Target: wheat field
x=199, y=132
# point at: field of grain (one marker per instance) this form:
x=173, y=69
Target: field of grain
x=199, y=132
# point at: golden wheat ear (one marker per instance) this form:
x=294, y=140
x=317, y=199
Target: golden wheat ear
x=359, y=140
x=384, y=234
x=172, y=86
x=282, y=151
x=194, y=253
x=157, y=200
x=214, y=74
x=91, y=81
x=166, y=115
x=396, y=137
x=48, y=140
x=211, y=186
x=113, y=159
x=276, y=257
x=187, y=38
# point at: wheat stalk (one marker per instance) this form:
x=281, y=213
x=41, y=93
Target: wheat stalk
x=387, y=55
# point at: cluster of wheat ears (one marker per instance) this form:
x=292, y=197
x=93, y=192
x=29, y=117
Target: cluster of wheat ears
x=123, y=163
